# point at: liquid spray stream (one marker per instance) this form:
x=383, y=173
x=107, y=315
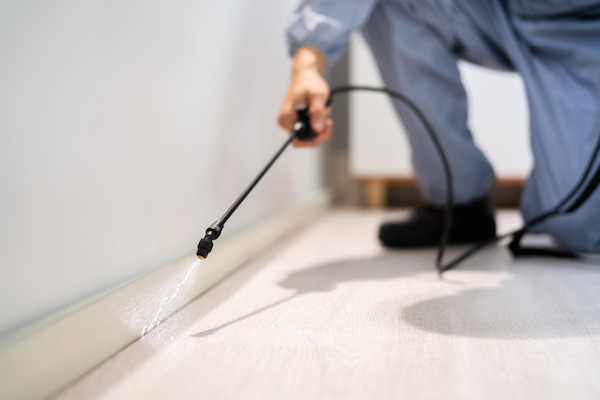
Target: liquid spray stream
x=166, y=300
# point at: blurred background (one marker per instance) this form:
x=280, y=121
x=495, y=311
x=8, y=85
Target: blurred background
x=128, y=127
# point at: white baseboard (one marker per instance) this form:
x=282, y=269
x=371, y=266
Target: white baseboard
x=57, y=354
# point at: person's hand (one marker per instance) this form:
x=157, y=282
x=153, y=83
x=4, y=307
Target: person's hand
x=308, y=88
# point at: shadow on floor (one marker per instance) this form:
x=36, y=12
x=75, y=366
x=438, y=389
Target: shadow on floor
x=541, y=298
x=212, y=331
x=324, y=278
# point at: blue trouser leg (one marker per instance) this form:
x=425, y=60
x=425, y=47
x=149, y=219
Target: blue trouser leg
x=558, y=56
x=416, y=46
x=417, y=60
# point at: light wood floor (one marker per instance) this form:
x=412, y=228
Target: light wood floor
x=332, y=315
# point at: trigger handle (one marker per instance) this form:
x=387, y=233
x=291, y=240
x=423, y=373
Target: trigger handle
x=302, y=128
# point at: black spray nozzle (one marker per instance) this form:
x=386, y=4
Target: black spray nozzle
x=204, y=248
x=302, y=129
x=206, y=243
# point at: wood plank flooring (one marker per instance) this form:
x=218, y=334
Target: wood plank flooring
x=332, y=315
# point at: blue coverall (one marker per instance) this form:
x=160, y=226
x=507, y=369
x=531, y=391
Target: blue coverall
x=553, y=44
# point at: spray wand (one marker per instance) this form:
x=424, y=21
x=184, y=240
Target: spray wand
x=301, y=131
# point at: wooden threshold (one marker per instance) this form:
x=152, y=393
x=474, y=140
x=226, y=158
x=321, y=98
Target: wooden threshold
x=377, y=188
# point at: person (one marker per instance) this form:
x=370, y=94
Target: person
x=553, y=44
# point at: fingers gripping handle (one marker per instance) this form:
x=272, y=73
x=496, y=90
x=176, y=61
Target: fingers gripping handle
x=302, y=129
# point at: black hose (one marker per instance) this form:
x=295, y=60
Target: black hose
x=436, y=142
x=517, y=234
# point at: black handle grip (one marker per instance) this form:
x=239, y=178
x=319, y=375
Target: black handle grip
x=302, y=128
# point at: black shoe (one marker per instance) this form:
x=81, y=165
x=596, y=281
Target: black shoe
x=470, y=223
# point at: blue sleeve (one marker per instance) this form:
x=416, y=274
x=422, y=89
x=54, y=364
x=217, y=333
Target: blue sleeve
x=326, y=25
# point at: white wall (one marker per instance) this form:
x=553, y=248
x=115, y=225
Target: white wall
x=127, y=127
x=497, y=118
